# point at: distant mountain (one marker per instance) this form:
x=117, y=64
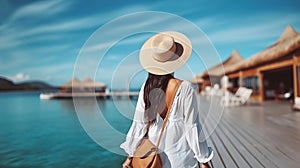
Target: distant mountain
x=8, y=85
x=5, y=83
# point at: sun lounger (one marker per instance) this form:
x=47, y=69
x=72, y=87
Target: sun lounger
x=241, y=96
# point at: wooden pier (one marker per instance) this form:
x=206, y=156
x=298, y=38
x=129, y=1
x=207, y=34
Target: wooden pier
x=254, y=135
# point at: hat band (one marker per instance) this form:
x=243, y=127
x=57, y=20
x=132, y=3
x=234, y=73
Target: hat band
x=165, y=56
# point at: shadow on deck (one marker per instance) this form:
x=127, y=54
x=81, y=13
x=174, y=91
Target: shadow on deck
x=260, y=135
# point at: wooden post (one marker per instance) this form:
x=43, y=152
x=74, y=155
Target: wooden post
x=241, y=78
x=261, y=86
x=296, y=78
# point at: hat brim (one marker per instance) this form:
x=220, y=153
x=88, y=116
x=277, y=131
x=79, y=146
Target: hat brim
x=161, y=68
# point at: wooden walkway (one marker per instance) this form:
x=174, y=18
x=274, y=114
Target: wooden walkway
x=254, y=135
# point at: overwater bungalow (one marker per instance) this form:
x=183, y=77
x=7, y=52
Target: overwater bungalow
x=272, y=73
x=86, y=85
x=77, y=88
x=213, y=75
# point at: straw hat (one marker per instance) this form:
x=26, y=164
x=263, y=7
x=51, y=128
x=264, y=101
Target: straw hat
x=165, y=52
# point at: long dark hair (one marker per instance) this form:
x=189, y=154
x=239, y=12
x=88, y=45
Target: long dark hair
x=154, y=95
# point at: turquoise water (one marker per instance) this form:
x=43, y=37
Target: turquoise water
x=47, y=133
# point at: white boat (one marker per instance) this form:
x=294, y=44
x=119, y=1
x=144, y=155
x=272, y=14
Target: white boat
x=46, y=95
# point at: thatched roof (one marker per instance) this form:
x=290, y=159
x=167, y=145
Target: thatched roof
x=287, y=43
x=289, y=32
x=219, y=70
x=88, y=83
x=73, y=82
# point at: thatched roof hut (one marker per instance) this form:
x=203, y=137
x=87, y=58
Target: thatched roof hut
x=90, y=83
x=75, y=82
x=87, y=83
x=287, y=43
x=219, y=70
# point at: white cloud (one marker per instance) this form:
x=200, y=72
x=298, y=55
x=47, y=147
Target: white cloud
x=266, y=26
x=41, y=8
x=80, y=23
x=20, y=77
x=13, y=31
x=112, y=57
x=55, y=74
x=64, y=26
x=98, y=47
x=52, y=68
x=14, y=35
x=135, y=40
x=123, y=30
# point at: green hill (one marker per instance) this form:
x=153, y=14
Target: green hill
x=8, y=85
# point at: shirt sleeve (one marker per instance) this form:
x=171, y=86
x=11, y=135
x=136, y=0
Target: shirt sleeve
x=138, y=127
x=194, y=133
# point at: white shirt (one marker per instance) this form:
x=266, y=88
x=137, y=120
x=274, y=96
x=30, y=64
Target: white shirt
x=183, y=143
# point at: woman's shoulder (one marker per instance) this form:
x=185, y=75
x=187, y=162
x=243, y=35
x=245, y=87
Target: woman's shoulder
x=186, y=85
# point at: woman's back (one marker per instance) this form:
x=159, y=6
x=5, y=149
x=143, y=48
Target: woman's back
x=180, y=141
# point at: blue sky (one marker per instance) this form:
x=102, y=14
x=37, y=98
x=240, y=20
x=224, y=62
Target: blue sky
x=41, y=40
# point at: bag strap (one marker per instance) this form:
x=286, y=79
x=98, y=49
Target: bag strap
x=148, y=127
x=168, y=112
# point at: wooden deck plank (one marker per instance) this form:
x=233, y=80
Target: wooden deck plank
x=255, y=136
x=216, y=160
x=273, y=154
x=227, y=160
x=240, y=153
x=222, y=150
x=245, y=148
x=252, y=148
x=236, y=157
x=280, y=159
x=221, y=158
x=278, y=135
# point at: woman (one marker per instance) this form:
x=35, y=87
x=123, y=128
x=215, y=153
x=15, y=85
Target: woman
x=183, y=143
